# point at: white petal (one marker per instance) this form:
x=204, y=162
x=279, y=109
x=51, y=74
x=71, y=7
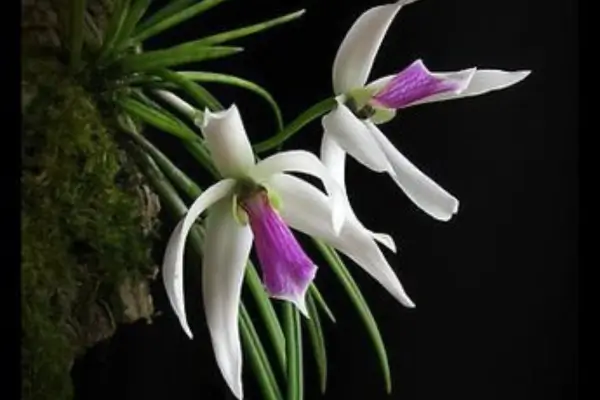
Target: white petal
x=173, y=259
x=307, y=163
x=227, y=141
x=352, y=135
x=305, y=208
x=483, y=81
x=334, y=158
x=355, y=57
x=472, y=82
x=421, y=189
x=384, y=239
x=226, y=250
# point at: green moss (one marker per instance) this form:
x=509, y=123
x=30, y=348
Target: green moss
x=87, y=226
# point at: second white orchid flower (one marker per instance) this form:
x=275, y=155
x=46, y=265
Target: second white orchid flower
x=352, y=126
x=256, y=202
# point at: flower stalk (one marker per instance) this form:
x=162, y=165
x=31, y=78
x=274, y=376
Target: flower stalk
x=296, y=125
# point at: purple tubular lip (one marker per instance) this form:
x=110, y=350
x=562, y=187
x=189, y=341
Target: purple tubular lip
x=413, y=83
x=286, y=269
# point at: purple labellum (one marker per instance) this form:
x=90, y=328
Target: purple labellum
x=286, y=269
x=412, y=84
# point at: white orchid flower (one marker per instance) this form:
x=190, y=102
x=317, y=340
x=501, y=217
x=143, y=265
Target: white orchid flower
x=241, y=209
x=351, y=126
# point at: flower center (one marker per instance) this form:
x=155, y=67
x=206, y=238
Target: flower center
x=363, y=105
x=359, y=102
x=364, y=111
x=245, y=192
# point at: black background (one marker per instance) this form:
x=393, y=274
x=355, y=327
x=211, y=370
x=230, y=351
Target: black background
x=495, y=288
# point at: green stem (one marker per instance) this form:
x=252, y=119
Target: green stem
x=307, y=116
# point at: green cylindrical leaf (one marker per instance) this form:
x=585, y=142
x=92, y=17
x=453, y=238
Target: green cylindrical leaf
x=265, y=308
x=239, y=82
x=136, y=12
x=171, y=15
x=194, y=145
x=318, y=298
x=181, y=54
x=157, y=119
x=115, y=24
x=175, y=175
x=315, y=332
x=201, y=154
x=258, y=358
x=293, y=341
x=202, y=96
x=336, y=263
x=249, y=30
x=173, y=7
x=167, y=194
